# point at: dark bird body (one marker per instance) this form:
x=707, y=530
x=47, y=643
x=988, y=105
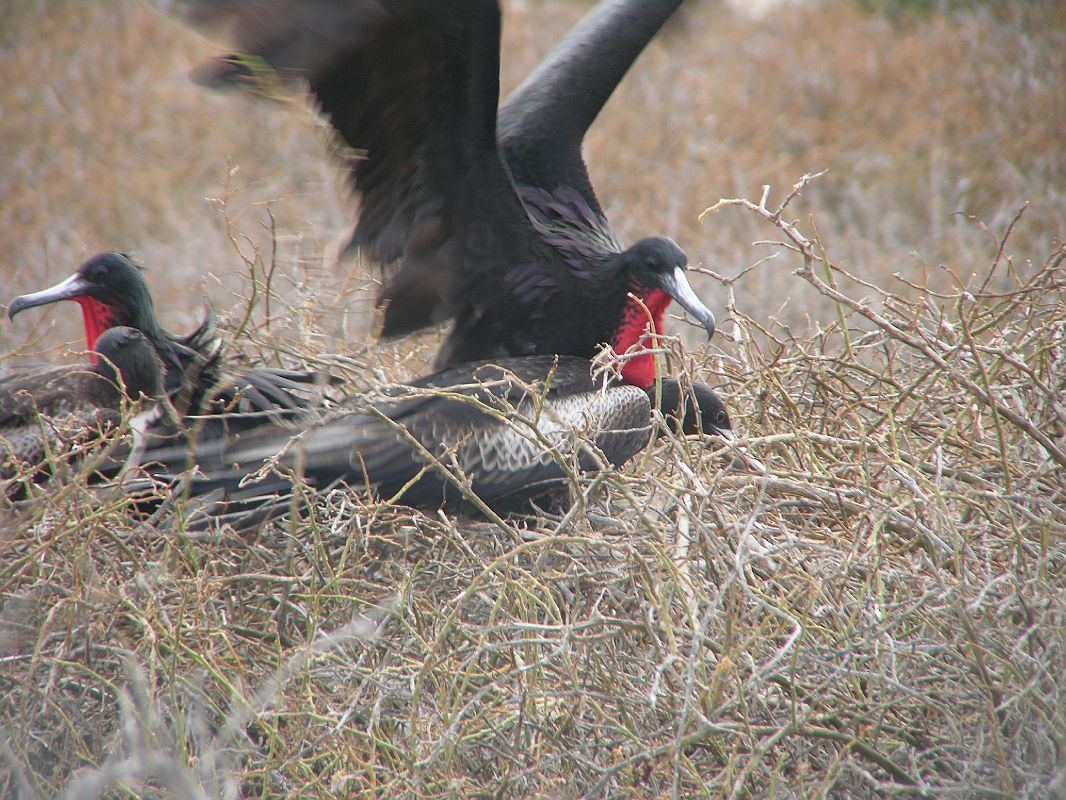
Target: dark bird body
x=112, y=291
x=49, y=411
x=499, y=431
x=490, y=216
x=492, y=222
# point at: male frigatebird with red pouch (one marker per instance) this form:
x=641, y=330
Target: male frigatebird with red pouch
x=493, y=223
x=112, y=291
x=489, y=215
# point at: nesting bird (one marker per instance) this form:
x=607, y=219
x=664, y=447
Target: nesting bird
x=47, y=414
x=111, y=291
x=500, y=431
x=487, y=218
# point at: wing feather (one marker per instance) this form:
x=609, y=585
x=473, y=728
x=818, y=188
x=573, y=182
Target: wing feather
x=411, y=87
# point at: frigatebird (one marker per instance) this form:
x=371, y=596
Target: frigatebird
x=490, y=215
x=50, y=411
x=494, y=223
x=498, y=432
x=112, y=291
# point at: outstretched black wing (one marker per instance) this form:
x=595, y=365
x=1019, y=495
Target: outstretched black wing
x=411, y=86
x=543, y=122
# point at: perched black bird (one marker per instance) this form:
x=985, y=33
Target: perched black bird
x=501, y=431
x=490, y=216
x=111, y=291
x=57, y=409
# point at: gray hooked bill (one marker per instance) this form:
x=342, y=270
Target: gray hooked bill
x=74, y=286
x=677, y=286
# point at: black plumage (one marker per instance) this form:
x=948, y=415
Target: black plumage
x=490, y=216
x=501, y=431
x=112, y=291
x=493, y=223
x=692, y=409
x=52, y=411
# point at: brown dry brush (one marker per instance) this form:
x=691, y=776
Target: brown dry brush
x=880, y=614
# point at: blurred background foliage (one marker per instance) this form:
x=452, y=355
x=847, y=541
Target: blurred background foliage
x=928, y=116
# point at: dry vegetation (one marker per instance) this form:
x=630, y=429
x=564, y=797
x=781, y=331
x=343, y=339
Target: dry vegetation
x=882, y=614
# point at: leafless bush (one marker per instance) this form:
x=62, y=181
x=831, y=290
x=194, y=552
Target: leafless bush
x=881, y=613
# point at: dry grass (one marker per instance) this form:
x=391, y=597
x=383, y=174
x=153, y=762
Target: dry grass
x=916, y=118
x=882, y=614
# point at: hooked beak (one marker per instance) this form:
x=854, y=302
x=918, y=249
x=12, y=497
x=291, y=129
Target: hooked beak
x=723, y=433
x=741, y=457
x=73, y=287
x=677, y=286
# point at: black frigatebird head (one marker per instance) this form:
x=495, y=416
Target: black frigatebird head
x=695, y=409
x=658, y=263
x=653, y=270
x=111, y=291
x=691, y=410
x=128, y=360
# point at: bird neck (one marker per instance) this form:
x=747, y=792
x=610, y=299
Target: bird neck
x=642, y=321
x=97, y=318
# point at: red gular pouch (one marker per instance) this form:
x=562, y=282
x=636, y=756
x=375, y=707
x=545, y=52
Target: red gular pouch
x=97, y=318
x=642, y=321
